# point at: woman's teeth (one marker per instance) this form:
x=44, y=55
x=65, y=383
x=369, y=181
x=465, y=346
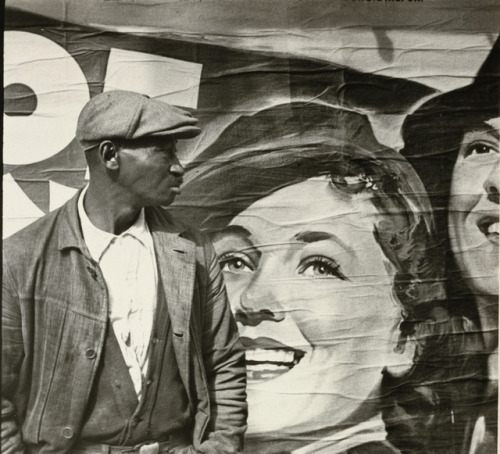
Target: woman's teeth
x=269, y=363
x=270, y=355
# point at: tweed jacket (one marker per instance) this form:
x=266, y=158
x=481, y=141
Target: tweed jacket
x=54, y=318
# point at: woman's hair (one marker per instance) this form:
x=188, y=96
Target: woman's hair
x=289, y=143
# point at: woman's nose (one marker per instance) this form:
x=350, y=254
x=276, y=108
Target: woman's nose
x=492, y=183
x=260, y=301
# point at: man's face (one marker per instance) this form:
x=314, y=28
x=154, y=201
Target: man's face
x=312, y=294
x=474, y=208
x=149, y=171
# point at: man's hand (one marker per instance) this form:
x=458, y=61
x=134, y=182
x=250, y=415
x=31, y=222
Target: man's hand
x=11, y=438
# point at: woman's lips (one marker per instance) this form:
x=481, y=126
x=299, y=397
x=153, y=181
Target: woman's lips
x=267, y=358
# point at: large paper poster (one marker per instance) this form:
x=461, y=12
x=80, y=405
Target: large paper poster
x=346, y=173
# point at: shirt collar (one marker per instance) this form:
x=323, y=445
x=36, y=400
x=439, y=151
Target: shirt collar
x=98, y=240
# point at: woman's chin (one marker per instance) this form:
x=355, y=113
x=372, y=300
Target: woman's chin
x=304, y=399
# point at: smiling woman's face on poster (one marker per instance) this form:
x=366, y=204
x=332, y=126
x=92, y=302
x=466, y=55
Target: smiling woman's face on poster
x=474, y=207
x=322, y=235
x=452, y=140
x=312, y=292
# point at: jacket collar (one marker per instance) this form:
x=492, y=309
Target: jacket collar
x=70, y=232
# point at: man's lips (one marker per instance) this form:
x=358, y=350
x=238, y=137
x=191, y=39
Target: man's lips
x=176, y=187
x=489, y=227
x=267, y=358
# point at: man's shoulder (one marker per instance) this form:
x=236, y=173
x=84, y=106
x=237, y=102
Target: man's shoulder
x=33, y=238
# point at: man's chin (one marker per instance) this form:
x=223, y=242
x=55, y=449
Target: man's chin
x=166, y=203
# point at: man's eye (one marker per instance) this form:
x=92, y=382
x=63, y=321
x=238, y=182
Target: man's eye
x=479, y=148
x=239, y=263
x=318, y=267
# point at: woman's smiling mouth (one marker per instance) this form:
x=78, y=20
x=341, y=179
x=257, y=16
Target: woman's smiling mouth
x=267, y=358
x=489, y=227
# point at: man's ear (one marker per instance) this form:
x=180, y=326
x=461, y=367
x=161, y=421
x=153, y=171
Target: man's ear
x=108, y=152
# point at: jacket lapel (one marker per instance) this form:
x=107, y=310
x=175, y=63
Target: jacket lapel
x=175, y=257
x=176, y=265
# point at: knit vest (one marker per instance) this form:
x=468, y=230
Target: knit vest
x=114, y=414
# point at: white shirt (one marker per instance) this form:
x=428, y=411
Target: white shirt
x=128, y=264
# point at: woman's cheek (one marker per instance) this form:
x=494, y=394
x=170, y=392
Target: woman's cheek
x=328, y=310
x=466, y=187
x=333, y=297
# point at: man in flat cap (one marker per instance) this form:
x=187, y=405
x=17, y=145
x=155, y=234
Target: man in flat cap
x=117, y=334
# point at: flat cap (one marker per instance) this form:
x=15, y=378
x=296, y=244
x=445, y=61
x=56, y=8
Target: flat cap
x=128, y=116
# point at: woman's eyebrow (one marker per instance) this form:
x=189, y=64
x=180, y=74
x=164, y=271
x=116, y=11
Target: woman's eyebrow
x=479, y=131
x=230, y=229
x=309, y=236
x=236, y=232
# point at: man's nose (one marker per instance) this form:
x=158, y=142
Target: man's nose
x=177, y=169
x=260, y=301
x=492, y=183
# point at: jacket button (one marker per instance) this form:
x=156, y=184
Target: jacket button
x=67, y=432
x=90, y=354
x=92, y=272
x=136, y=420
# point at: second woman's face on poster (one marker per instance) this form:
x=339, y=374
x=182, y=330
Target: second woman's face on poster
x=474, y=208
x=312, y=294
